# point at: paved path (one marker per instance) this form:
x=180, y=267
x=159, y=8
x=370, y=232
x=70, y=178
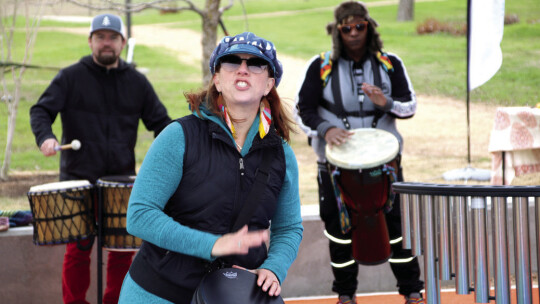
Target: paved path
x=438, y=129
x=435, y=138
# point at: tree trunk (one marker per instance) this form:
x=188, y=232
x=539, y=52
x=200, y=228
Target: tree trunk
x=210, y=22
x=405, y=10
x=12, y=105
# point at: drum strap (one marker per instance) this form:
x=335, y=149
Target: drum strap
x=338, y=108
x=378, y=82
x=251, y=203
x=338, y=101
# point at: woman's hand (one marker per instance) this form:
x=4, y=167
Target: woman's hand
x=239, y=242
x=375, y=94
x=337, y=136
x=266, y=279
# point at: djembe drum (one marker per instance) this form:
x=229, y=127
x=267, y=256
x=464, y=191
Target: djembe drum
x=62, y=212
x=362, y=171
x=115, y=192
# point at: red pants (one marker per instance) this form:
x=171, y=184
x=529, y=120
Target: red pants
x=76, y=274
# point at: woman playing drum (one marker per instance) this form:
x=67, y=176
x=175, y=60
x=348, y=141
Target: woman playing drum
x=356, y=85
x=197, y=173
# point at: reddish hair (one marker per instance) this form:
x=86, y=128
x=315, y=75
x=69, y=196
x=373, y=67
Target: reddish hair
x=280, y=118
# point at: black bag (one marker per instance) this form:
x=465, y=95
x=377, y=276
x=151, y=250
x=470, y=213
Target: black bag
x=232, y=286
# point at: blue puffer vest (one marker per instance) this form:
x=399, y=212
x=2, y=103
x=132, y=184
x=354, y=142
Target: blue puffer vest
x=215, y=182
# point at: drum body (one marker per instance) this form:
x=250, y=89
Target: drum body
x=232, y=286
x=114, y=194
x=361, y=169
x=63, y=212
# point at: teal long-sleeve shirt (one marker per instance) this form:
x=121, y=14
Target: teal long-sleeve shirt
x=159, y=177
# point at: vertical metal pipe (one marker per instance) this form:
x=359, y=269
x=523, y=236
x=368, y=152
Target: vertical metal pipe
x=433, y=292
x=522, y=250
x=462, y=262
x=444, y=238
x=500, y=250
x=406, y=220
x=481, y=282
x=452, y=218
x=470, y=247
x=503, y=166
x=416, y=237
x=537, y=221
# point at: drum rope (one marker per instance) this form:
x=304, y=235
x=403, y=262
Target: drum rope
x=344, y=219
x=115, y=192
x=391, y=172
x=61, y=217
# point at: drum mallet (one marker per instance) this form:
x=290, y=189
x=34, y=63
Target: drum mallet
x=75, y=145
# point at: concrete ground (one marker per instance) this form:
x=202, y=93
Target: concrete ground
x=32, y=274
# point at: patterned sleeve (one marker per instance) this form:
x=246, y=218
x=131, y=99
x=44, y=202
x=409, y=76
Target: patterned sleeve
x=402, y=90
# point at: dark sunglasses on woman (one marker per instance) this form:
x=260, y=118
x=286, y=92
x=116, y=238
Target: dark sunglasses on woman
x=232, y=63
x=347, y=28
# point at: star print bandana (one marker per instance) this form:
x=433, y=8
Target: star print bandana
x=248, y=43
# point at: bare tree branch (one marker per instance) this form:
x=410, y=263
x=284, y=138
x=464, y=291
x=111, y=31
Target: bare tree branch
x=11, y=92
x=138, y=7
x=226, y=7
x=32, y=26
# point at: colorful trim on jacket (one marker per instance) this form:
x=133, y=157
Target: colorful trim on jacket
x=326, y=65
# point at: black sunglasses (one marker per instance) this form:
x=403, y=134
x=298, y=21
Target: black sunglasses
x=232, y=63
x=347, y=28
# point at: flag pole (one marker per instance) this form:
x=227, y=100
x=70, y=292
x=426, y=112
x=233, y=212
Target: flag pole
x=468, y=82
x=468, y=173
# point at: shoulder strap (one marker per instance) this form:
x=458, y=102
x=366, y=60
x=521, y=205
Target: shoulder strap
x=338, y=101
x=376, y=72
x=377, y=81
x=251, y=203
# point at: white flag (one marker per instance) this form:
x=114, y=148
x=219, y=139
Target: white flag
x=486, y=22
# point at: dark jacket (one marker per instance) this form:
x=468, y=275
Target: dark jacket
x=101, y=108
x=215, y=182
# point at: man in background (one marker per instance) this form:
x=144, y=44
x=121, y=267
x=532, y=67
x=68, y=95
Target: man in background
x=100, y=100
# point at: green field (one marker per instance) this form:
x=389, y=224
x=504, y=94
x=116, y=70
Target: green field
x=436, y=63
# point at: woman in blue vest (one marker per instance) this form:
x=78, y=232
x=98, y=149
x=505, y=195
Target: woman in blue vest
x=197, y=176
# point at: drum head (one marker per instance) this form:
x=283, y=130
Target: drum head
x=116, y=179
x=366, y=148
x=232, y=286
x=58, y=186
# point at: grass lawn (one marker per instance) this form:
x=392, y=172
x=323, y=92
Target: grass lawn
x=436, y=63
